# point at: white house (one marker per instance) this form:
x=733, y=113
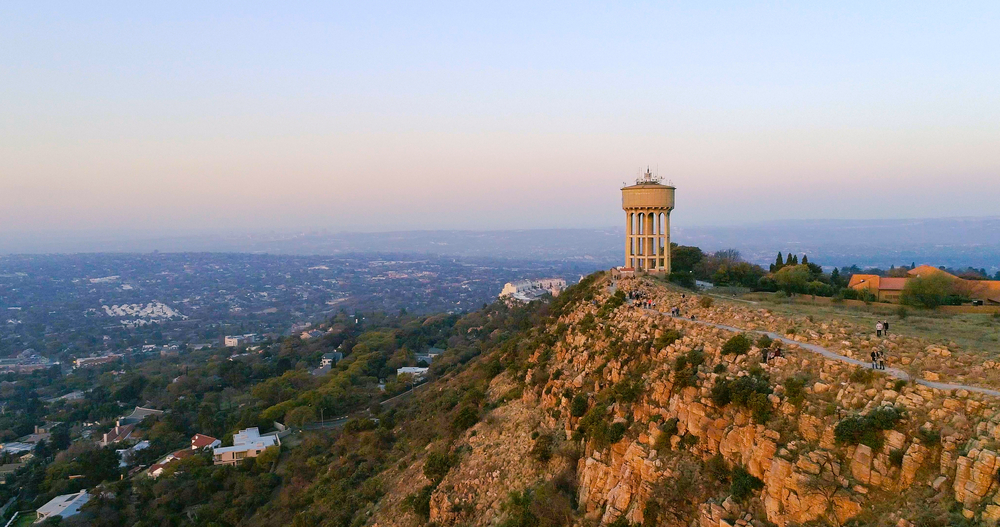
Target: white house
x=416, y=372
x=66, y=505
x=246, y=443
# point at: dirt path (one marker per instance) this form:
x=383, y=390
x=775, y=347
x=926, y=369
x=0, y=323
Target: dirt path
x=819, y=350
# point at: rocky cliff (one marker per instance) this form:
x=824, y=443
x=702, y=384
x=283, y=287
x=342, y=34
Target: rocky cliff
x=627, y=416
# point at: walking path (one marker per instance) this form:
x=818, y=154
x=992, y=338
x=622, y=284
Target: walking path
x=819, y=350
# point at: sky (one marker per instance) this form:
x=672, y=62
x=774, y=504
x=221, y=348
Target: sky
x=203, y=116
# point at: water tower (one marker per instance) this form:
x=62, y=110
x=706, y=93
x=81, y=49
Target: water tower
x=647, y=207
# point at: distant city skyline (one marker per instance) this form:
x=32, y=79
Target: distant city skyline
x=189, y=117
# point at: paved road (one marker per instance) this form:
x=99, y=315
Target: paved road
x=819, y=350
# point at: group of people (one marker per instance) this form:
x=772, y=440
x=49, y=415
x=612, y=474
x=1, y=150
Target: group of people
x=769, y=353
x=882, y=328
x=878, y=360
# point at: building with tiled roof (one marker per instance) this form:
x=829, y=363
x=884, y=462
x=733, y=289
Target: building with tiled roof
x=888, y=289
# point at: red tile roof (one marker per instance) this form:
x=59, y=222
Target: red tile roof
x=202, y=441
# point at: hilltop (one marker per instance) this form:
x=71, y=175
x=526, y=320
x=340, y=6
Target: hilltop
x=612, y=414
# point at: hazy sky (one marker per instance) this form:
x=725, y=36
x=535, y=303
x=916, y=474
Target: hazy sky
x=366, y=115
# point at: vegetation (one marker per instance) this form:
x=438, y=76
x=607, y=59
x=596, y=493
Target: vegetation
x=748, y=391
x=737, y=345
x=744, y=484
x=866, y=429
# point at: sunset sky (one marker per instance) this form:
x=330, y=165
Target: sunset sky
x=391, y=116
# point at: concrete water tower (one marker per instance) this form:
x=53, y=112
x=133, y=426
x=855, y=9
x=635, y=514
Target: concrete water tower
x=647, y=207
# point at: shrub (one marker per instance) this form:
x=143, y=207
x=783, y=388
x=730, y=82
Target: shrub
x=628, y=390
x=686, y=368
x=705, y=301
x=866, y=429
x=466, y=418
x=667, y=430
x=899, y=385
x=437, y=465
x=929, y=436
x=612, y=303
x=667, y=338
x=896, y=457
x=902, y=312
x=420, y=502
x=616, y=432
x=862, y=375
x=749, y=391
x=717, y=468
x=579, y=406
x=795, y=388
x=542, y=449
x=764, y=342
x=737, y=345
x=719, y=368
x=744, y=484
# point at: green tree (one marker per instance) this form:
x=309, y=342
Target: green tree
x=928, y=291
x=778, y=263
x=683, y=258
x=793, y=279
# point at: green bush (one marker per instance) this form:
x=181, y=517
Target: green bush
x=705, y=301
x=748, y=391
x=764, y=342
x=579, y=406
x=667, y=338
x=686, y=368
x=616, y=432
x=667, y=430
x=896, y=457
x=466, y=418
x=899, y=385
x=437, y=465
x=866, y=429
x=927, y=291
x=420, y=502
x=737, y=345
x=795, y=388
x=744, y=484
x=542, y=449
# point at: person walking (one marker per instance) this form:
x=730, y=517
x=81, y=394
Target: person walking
x=885, y=327
x=874, y=360
x=881, y=360
x=878, y=328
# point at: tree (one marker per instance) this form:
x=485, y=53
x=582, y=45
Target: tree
x=778, y=263
x=684, y=258
x=793, y=279
x=928, y=291
x=805, y=260
x=835, y=278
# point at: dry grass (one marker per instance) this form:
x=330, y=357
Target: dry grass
x=972, y=332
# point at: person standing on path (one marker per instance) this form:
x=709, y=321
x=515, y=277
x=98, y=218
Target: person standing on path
x=885, y=327
x=874, y=360
x=878, y=329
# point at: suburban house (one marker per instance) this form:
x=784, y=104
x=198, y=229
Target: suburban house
x=429, y=355
x=246, y=443
x=415, y=371
x=331, y=359
x=65, y=506
x=312, y=334
x=889, y=289
x=117, y=434
x=198, y=442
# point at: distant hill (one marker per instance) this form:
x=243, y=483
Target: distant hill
x=955, y=242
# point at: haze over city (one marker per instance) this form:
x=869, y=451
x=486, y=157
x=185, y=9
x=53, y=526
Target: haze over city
x=194, y=118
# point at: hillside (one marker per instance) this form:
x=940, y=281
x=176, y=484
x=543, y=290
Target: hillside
x=608, y=414
x=588, y=410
